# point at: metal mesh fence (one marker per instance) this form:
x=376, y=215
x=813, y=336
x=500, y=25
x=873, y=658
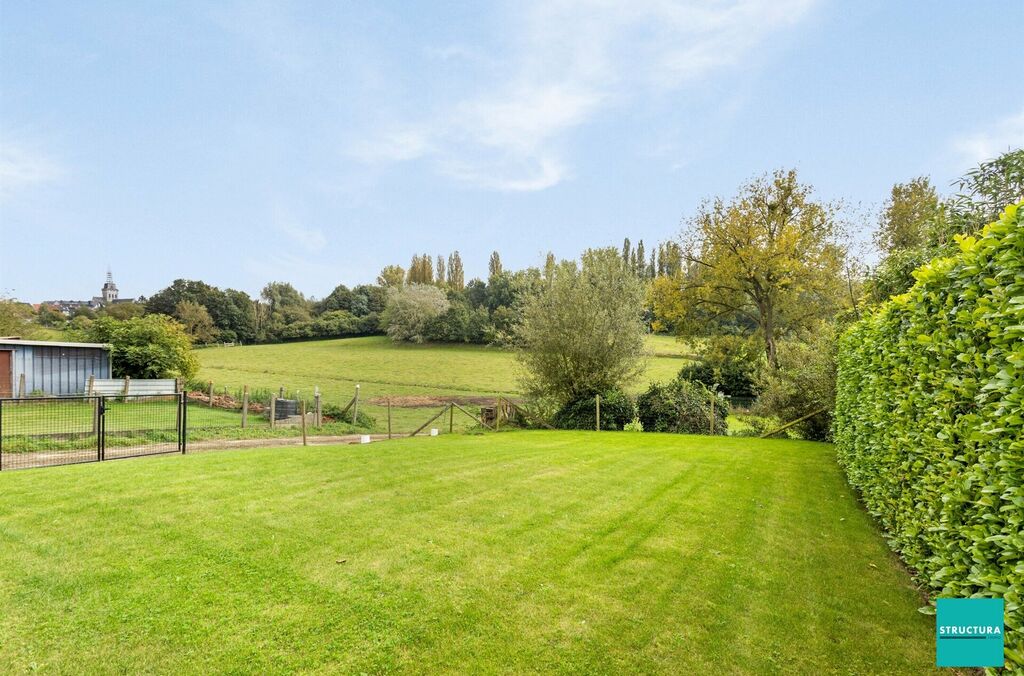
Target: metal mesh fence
x=49, y=431
x=44, y=431
x=201, y=416
x=141, y=425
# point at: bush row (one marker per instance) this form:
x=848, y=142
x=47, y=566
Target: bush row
x=332, y=324
x=929, y=421
x=680, y=405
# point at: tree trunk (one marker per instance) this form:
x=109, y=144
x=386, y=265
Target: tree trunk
x=768, y=328
x=770, y=351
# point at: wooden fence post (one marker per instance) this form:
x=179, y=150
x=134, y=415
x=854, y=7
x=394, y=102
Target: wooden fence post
x=302, y=409
x=211, y=394
x=451, y=419
x=389, y=417
x=90, y=386
x=318, y=411
x=21, y=386
x=127, y=384
x=280, y=392
x=793, y=422
x=245, y=406
x=273, y=410
x=711, y=394
x=598, y=401
x=355, y=408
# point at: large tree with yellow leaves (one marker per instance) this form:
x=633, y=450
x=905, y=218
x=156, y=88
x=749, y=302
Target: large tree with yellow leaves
x=771, y=259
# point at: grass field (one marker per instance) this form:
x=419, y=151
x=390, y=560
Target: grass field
x=517, y=552
x=383, y=368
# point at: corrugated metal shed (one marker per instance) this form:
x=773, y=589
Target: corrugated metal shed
x=49, y=367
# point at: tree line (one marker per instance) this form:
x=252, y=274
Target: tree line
x=759, y=284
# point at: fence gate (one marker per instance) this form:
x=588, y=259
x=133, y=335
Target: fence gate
x=44, y=431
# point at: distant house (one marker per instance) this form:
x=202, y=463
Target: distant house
x=108, y=296
x=36, y=366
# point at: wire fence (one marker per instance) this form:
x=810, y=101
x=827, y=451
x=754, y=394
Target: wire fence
x=44, y=431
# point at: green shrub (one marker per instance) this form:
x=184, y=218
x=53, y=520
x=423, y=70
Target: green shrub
x=410, y=310
x=153, y=346
x=334, y=412
x=681, y=406
x=750, y=425
x=804, y=383
x=633, y=426
x=728, y=362
x=617, y=411
x=929, y=421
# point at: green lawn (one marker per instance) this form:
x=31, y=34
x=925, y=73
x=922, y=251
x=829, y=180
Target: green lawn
x=383, y=369
x=517, y=552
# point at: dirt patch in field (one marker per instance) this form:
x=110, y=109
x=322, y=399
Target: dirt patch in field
x=430, y=401
x=224, y=401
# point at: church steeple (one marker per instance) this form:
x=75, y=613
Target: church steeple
x=109, y=292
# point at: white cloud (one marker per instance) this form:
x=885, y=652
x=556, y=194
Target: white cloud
x=309, y=239
x=23, y=166
x=396, y=145
x=544, y=173
x=569, y=62
x=1006, y=134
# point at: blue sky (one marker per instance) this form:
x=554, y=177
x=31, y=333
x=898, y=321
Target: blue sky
x=243, y=142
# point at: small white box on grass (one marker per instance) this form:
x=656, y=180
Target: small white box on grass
x=364, y=439
x=433, y=431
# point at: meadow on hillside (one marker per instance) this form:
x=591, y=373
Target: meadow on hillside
x=429, y=372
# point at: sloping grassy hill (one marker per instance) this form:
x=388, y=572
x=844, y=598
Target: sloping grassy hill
x=383, y=369
x=518, y=552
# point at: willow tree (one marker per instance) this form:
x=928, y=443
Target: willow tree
x=582, y=334
x=770, y=260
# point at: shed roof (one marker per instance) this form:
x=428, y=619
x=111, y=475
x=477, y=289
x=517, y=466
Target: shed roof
x=52, y=343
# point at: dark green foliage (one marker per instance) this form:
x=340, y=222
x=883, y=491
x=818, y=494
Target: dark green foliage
x=617, y=410
x=730, y=362
x=232, y=311
x=804, y=384
x=154, y=346
x=930, y=420
x=48, y=316
x=368, y=299
x=681, y=406
x=332, y=324
x=459, y=324
x=338, y=299
x=335, y=413
x=982, y=194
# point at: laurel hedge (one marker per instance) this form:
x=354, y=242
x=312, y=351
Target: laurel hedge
x=929, y=421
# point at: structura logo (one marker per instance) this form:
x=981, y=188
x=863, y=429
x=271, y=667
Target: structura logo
x=969, y=632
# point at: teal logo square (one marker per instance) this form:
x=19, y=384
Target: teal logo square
x=969, y=632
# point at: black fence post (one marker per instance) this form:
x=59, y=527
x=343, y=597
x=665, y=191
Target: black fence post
x=101, y=438
x=177, y=420
x=183, y=432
